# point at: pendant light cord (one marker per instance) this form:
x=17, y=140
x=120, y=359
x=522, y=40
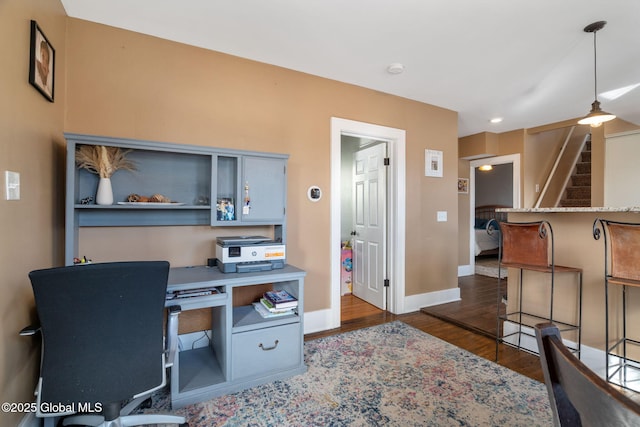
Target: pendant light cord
x=595, y=66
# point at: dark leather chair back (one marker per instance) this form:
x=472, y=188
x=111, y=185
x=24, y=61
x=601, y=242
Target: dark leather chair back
x=577, y=395
x=525, y=243
x=102, y=330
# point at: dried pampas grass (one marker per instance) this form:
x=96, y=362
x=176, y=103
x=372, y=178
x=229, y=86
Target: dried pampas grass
x=103, y=161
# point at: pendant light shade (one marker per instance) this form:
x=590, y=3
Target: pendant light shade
x=596, y=116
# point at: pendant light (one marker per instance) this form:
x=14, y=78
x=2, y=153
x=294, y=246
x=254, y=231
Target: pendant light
x=596, y=116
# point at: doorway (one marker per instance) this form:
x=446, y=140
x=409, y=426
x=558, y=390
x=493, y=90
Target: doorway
x=395, y=140
x=364, y=218
x=512, y=160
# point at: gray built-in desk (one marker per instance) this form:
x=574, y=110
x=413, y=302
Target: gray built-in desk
x=245, y=349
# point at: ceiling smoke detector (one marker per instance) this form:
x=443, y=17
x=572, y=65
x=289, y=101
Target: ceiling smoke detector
x=395, y=68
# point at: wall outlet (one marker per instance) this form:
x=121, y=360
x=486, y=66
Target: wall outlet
x=442, y=216
x=537, y=188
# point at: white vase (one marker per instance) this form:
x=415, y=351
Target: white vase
x=104, y=195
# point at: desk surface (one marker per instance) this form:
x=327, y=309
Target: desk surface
x=182, y=278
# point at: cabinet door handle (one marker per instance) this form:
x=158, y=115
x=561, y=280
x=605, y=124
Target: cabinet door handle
x=269, y=348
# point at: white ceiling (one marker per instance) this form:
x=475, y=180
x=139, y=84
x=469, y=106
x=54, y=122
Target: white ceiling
x=528, y=61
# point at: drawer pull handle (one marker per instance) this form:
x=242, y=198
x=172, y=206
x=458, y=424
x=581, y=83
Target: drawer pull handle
x=269, y=348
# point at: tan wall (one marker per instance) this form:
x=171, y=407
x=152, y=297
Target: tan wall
x=464, y=220
x=31, y=143
x=478, y=145
x=541, y=151
x=125, y=84
x=484, y=144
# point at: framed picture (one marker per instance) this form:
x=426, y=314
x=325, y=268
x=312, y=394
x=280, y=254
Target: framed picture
x=42, y=61
x=463, y=185
x=433, y=163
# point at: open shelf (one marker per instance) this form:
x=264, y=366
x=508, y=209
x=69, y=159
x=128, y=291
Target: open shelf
x=246, y=318
x=199, y=368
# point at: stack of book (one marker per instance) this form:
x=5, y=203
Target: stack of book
x=276, y=303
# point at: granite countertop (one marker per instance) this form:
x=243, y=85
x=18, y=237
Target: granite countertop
x=635, y=209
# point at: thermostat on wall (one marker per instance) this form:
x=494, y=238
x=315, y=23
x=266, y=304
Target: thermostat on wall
x=314, y=193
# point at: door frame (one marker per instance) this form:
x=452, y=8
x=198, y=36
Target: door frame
x=396, y=139
x=514, y=159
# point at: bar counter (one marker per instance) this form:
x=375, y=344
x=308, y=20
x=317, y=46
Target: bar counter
x=575, y=246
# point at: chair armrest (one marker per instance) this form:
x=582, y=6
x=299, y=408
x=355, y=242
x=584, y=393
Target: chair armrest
x=30, y=330
x=172, y=334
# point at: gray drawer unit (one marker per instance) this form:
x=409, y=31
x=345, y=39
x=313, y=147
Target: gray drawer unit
x=265, y=350
x=245, y=349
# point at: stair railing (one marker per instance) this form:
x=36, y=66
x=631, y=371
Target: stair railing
x=553, y=171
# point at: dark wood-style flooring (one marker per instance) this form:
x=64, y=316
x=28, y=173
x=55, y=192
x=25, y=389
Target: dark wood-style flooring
x=478, y=305
x=466, y=324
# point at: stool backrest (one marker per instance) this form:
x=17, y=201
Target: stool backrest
x=524, y=243
x=577, y=395
x=625, y=250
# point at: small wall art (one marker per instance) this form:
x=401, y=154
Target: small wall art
x=42, y=60
x=463, y=185
x=433, y=163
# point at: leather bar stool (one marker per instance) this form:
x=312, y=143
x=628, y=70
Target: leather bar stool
x=529, y=246
x=621, y=268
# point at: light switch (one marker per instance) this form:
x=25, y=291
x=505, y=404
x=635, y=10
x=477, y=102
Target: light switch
x=442, y=216
x=12, y=185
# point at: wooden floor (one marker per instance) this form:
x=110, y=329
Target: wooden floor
x=358, y=314
x=478, y=306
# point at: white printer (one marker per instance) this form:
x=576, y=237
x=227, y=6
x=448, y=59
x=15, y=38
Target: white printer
x=239, y=254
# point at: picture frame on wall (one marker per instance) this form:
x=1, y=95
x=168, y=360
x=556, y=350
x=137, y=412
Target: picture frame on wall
x=463, y=185
x=42, y=61
x=433, y=163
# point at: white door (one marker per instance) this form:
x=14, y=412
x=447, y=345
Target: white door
x=370, y=225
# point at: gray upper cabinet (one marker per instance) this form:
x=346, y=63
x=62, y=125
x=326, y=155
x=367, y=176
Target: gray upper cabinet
x=250, y=189
x=202, y=186
x=263, y=180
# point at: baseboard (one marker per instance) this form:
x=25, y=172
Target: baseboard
x=465, y=270
x=416, y=302
x=322, y=320
x=318, y=321
x=592, y=357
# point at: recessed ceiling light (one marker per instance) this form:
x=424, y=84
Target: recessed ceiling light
x=395, y=68
x=496, y=120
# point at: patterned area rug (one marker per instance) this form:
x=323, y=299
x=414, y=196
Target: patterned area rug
x=391, y=375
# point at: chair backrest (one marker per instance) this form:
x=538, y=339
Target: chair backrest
x=577, y=395
x=102, y=330
x=624, y=241
x=525, y=243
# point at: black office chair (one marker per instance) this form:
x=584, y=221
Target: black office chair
x=576, y=394
x=102, y=341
